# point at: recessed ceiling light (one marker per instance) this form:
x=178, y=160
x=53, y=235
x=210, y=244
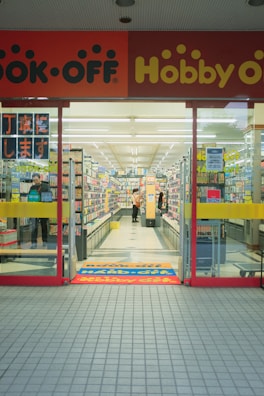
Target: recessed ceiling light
x=256, y=3
x=125, y=19
x=125, y=3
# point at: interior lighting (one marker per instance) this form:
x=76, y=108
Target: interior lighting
x=177, y=130
x=147, y=120
x=125, y=19
x=180, y=120
x=93, y=136
x=136, y=143
x=255, y=3
x=85, y=130
x=125, y=3
x=175, y=136
x=92, y=120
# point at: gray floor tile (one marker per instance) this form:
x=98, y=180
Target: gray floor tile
x=131, y=340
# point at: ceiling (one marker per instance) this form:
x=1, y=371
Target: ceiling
x=145, y=14
x=129, y=149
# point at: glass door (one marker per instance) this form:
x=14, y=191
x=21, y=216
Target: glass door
x=227, y=197
x=31, y=209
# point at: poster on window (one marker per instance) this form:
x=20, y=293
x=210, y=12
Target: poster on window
x=25, y=136
x=214, y=159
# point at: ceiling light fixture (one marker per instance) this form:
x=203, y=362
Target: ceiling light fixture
x=256, y=3
x=174, y=136
x=180, y=120
x=177, y=130
x=93, y=136
x=147, y=143
x=125, y=3
x=125, y=19
x=84, y=130
x=91, y=120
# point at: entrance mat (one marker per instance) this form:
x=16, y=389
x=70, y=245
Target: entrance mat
x=110, y=264
x=126, y=273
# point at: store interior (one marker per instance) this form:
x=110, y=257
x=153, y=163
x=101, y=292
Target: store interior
x=123, y=136
x=116, y=146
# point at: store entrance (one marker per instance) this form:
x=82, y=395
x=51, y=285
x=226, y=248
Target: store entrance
x=201, y=220
x=123, y=147
x=206, y=160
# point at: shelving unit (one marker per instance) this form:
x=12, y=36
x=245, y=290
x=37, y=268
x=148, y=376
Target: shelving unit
x=126, y=185
x=210, y=184
x=173, y=187
x=96, y=194
x=81, y=198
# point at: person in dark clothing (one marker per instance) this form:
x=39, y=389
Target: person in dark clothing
x=160, y=202
x=135, y=204
x=36, y=189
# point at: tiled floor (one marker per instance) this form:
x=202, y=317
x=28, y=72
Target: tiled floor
x=131, y=340
x=104, y=340
x=133, y=243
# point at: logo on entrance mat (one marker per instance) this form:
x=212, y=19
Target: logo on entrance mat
x=127, y=273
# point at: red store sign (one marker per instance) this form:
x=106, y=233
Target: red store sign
x=132, y=64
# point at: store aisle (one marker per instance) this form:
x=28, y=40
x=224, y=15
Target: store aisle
x=133, y=243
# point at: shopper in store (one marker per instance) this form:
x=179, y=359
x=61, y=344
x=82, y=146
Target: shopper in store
x=36, y=191
x=161, y=202
x=135, y=204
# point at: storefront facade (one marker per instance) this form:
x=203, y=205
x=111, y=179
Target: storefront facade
x=208, y=71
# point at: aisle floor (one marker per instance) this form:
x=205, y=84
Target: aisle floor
x=128, y=340
x=133, y=243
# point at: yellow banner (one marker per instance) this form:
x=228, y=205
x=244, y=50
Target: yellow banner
x=32, y=209
x=226, y=211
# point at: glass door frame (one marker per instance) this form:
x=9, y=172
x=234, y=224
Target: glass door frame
x=194, y=280
x=58, y=279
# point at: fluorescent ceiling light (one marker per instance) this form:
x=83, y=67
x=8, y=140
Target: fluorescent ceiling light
x=178, y=130
x=94, y=136
x=147, y=120
x=163, y=136
x=91, y=120
x=86, y=130
x=174, y=136
x=136, y=143
x=125, y=142
x=163, y=120
x=180, y=120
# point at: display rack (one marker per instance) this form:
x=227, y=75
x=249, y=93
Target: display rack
x=173, y=187
x=81, y=200
x=210, y=184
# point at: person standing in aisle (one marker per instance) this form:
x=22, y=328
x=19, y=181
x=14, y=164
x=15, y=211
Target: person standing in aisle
x=36, y=189
x=135, y=204
x=160, y=202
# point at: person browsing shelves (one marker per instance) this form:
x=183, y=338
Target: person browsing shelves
x=36, y=191
x=135, y=204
